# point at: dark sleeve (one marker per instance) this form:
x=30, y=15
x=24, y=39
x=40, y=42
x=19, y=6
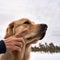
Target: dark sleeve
x=2, y=47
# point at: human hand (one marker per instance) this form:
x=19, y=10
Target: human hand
x=13, y=43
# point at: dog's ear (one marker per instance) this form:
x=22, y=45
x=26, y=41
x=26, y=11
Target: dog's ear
x=9, y=30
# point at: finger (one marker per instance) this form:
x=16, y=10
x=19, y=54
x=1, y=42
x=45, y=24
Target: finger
x=16, y=48
x=13, y=48
x=20, y=40
x=19, y=44
x=20, y=34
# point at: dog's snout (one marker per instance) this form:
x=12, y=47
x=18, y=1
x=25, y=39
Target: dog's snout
x=43, y=26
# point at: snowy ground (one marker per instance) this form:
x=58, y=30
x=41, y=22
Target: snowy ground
x=44, y=56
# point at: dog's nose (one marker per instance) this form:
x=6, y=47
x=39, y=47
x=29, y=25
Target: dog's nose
x=44, y=26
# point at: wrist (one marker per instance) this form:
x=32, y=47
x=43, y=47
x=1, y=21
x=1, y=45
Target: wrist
x=2, y=46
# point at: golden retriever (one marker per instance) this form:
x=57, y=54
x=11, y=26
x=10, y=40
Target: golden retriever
x=34, y=33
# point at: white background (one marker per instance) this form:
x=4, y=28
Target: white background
x=40, y=11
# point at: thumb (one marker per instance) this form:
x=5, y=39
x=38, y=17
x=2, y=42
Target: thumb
x=20, y=33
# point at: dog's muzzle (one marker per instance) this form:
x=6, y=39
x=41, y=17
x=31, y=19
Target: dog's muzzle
x=42, y=31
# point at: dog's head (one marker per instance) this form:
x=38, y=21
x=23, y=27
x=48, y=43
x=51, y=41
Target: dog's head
x=34, y=31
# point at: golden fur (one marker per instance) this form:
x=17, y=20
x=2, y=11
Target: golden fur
x=34, y=33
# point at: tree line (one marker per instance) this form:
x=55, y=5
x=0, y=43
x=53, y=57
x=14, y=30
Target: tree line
x=46, y=48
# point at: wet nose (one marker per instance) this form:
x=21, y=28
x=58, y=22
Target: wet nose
x=44, y=26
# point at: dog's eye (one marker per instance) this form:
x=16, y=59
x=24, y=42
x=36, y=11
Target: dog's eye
x=26, y=22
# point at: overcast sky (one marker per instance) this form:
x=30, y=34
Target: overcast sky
x=40, y=11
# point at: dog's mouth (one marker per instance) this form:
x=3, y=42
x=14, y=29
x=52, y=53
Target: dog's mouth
x=43, y=31
x=40, y=35
x=30, y=38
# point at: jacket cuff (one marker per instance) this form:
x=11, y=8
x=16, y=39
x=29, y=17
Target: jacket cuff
x=2, y=47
